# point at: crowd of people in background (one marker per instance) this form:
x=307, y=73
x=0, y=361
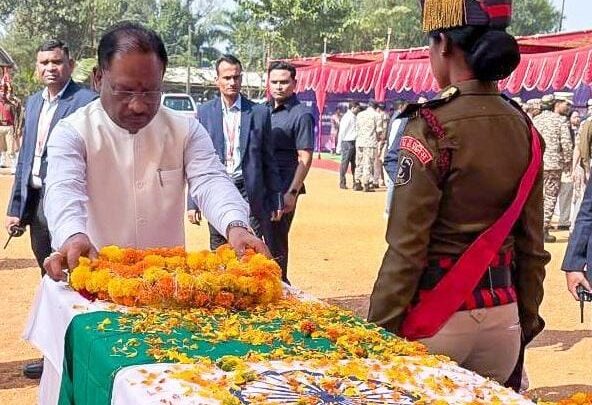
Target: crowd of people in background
x=11, y=121
x=365, y=134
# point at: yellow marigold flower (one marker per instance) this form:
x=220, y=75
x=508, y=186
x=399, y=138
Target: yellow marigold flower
x=235, y=267
x=98, y=281
x=174, y=262
x=207, y=282
x=196, y=261
x=228, y=281
x=154, y=273
x=213, y=263
x=185, y=280
x=154, y=260
x=112, y=253
x=225, y=253
x=79, y=276
x=247, y=285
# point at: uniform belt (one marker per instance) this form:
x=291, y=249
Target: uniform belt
x=494, y=277
x=497, y=275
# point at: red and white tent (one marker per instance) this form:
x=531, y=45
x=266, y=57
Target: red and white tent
x=549, y=63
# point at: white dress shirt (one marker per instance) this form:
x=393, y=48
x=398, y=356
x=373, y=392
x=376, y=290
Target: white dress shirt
x=347, y=127
x=68, y=185
x=231, y=126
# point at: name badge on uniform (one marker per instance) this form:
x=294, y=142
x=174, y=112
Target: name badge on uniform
x=404, y=172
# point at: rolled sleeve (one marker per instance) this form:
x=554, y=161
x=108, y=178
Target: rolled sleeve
x=65, y=194
x=209, y=185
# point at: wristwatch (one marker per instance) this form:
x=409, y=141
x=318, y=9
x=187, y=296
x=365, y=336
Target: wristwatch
x=237, y=224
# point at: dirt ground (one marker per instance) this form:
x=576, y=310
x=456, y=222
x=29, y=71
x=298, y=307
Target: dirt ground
x=337, y=243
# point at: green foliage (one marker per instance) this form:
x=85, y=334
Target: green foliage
x=534, y=17
x=288, y=27
x=83, y=70
x=26, y=23
x=367, y=28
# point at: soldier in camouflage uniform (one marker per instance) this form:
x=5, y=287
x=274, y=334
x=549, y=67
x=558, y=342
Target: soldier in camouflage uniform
x=553, y=126
x=369, y=129
x=533, y=107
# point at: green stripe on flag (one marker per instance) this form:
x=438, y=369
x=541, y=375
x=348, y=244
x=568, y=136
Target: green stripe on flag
x=92, y=357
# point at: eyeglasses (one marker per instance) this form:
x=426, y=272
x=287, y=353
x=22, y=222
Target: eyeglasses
x=148, y=97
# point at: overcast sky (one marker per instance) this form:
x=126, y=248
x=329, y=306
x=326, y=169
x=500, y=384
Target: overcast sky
x=578, y=14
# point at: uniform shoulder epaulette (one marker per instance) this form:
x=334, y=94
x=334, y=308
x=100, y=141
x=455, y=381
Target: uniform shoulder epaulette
x=443, y=98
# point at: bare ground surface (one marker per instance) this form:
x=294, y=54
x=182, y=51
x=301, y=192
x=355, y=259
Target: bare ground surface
x=337, y=243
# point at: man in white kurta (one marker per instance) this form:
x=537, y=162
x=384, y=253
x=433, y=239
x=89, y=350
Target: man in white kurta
x=117, y=169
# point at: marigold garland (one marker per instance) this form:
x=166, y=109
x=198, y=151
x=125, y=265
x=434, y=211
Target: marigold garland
x=173, y=278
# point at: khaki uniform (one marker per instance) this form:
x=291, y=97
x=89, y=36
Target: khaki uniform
x=381, y=149
x=368, y=128
x=435, y=217
x=557, y=158
x=585, y=143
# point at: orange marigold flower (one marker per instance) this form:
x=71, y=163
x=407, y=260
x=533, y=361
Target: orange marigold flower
x=307, y=328
x=224, y=299
x=200, y=299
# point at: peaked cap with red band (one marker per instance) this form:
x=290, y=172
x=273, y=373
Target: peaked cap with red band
x=443, y=14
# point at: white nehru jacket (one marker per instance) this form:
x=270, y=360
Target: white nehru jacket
x=129, y=189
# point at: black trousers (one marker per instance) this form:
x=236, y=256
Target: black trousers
x=348, y=158
x=35, y=218
x=278, y=242
x=258, y=225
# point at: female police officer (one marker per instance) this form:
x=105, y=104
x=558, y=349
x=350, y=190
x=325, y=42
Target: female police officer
x=464, y=267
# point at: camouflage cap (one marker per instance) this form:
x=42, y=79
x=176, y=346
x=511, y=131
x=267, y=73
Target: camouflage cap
x=442, y=14
x=534, y=103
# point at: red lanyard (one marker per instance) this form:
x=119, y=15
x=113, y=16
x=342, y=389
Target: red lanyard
x=230, y=130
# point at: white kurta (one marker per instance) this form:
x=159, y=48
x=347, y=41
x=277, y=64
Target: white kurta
x=129, y=189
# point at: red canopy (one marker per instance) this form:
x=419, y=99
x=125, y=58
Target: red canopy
x=549, y=62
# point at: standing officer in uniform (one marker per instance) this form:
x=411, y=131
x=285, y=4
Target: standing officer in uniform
x=533, y=107
x=553, y=126
x=369, y=129
x=469, y=286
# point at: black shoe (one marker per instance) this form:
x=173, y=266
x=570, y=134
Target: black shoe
x=549, y=238
x=563, y=227
x=358, y=186
x=33, y=370
x=368, y=188
x=343, y=186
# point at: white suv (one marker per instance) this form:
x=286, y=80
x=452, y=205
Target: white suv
x=179, y=102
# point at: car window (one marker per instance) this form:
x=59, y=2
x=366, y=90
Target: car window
x=178, y=103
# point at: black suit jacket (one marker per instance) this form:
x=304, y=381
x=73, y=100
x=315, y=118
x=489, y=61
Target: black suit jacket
x=259, y=167
x=74, y=97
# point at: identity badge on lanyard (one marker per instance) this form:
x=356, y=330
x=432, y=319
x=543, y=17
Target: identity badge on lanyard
x=231, y=127
x=42, y=135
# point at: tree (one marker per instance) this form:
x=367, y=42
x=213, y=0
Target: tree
x=289, y=27
x=534, y=17
x=82, y=23
x=368, y=26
